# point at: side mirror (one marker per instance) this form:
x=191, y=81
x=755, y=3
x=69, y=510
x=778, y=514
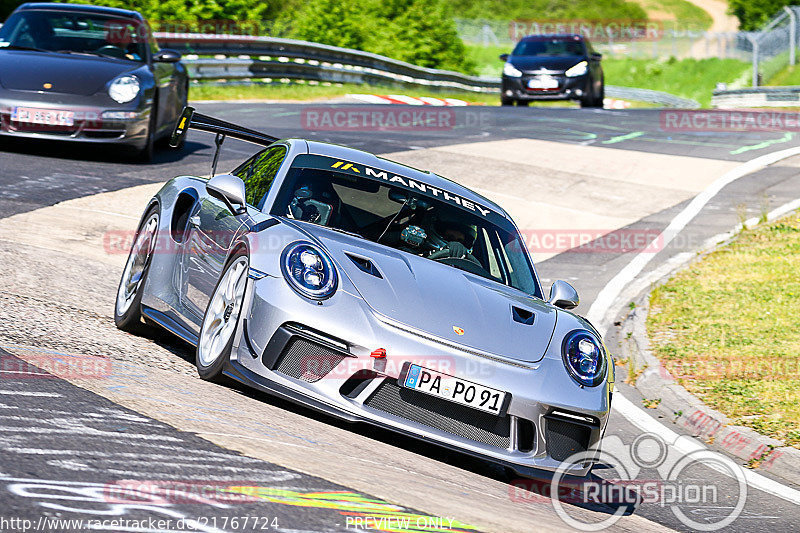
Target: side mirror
x=167, y=56
x=504, y=57
x=563, y=295
x=229, y=189
x=596, y=55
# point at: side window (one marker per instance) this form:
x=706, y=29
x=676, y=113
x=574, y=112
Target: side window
x=259, y=174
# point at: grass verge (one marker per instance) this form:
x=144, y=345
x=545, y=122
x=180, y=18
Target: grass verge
x=689, y=78
x=787, y=76
x=727, y=328
x=309, y=92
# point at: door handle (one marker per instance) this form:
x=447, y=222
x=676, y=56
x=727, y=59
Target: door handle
x=195, y=221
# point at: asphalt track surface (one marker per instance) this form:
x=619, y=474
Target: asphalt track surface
x=46, y=413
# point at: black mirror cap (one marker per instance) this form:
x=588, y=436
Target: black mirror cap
x=181, y=127
x=167, y=56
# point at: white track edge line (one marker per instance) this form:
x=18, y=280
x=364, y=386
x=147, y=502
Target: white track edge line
x=608, y=295
x=643, y=421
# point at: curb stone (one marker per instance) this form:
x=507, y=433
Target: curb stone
x=686, y=410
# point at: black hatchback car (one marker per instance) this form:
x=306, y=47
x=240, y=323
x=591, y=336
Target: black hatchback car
x=553, y=67
x=87, y=73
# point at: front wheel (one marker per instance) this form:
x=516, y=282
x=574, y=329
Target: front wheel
x=128, y=307
x=506, y=101
x=221, y=318
x=147, y=152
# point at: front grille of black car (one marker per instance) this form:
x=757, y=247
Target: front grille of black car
x=566, y=438
x=440, y=414
x=306, y=360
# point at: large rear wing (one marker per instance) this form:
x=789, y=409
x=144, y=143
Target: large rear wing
x=197, y=121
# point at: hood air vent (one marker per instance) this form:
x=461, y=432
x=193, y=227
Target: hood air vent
x=365, y=265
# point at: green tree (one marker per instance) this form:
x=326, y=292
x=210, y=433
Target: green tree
x=334, y=22
x=753, y=14
x=421, y=32
x=7, y=6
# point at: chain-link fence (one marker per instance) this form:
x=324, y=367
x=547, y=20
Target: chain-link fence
x=770, y=50
x=774, y=47
x=636, y=39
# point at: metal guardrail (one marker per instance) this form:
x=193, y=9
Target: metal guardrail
x=757, y=97
x=246, y=59
x=649, y=96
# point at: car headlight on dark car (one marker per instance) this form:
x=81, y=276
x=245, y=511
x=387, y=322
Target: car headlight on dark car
x=124, y=89
x=511, y=70
x=584, y=358
x=577, y=70
x=309, y=270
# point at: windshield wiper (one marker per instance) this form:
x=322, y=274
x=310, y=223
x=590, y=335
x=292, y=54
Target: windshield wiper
x=27, y=48
x=95, y=54
x=353, y=234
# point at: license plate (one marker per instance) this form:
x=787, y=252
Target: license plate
x=454, y=389
x=49, y=117
x=543, y=82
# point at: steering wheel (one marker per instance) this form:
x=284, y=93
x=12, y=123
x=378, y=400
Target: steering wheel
x=111, y=50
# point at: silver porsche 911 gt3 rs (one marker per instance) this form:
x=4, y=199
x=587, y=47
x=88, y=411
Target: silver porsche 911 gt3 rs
x=373, y=292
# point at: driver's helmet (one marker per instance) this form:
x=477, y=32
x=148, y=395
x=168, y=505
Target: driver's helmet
x=450, y=227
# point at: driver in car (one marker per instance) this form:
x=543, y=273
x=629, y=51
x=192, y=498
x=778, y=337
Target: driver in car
x=458, y=236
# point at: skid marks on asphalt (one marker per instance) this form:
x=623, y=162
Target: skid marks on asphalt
x=70, y=454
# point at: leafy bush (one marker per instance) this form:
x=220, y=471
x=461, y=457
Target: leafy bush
x=548, y=9
x=421, y=32
x=753, y=14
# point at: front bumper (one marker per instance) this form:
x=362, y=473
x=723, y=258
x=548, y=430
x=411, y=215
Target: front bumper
x=573, y=88
x=94, y=121
x=329, y=367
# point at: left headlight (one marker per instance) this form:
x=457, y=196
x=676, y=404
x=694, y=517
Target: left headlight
x=577, y=70
x=123, y=90
x=309, y=270
x=584, y=358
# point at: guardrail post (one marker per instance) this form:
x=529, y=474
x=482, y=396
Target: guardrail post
x=792, y=33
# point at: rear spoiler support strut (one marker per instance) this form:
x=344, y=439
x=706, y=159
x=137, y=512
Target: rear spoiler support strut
x=189, y=119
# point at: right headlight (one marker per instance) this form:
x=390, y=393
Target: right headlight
x=124, y=89
x=511, y=70
x=584, y=358
x=577, y=70
x=309, y=270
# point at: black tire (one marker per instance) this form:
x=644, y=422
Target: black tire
x=589, y=98
x=128, y=315
x=523, y=103
x=506, y=101
x=602, y=96
x=146, y=153
x=213, y=370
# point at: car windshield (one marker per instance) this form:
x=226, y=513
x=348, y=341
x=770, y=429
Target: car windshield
x=406, y=215
x=549, y=48
x=75, y=33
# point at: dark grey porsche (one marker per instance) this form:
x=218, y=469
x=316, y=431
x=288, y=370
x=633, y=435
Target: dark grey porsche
x=87, y=73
